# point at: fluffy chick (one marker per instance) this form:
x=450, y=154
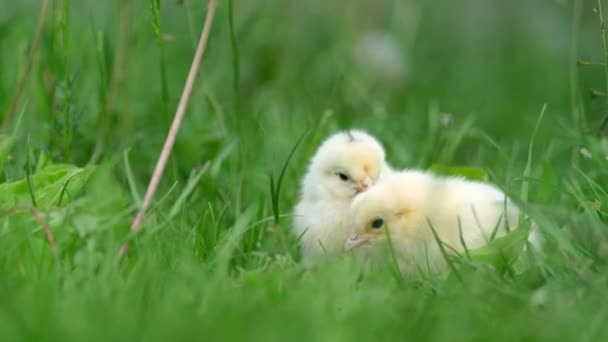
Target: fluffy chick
x=346, y=164
x=402, y=203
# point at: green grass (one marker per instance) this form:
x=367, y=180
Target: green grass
x=215, y=259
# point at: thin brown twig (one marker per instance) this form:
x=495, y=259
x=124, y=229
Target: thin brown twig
x=44, y=9
x=177, y=120
x=47, y=230
x=50, y=237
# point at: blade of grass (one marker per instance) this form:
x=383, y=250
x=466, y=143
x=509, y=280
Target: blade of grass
x=275, y=208
x=506, y=216
x=451, y=144
x=426, y=254
x=158, y=34
x=394, y=260
x=593, y=185
x=28, y=177
x=227, y=249
x=235, y=57
x=605, y=64
x=6, y=145
x=119, y=64
x=443, y=251
x=528, y=168
x=20, y=116
x=451, y=249
x=102, y=85
x=191, y=29
x=187, y=191
x=462, y=242
x=277, y=188
x=64, y=188
x=322, y=247
x=575, y=107
x=604, y=43
x=131, y=179
x=495, y=229
x=478, y=223
x=68, y=104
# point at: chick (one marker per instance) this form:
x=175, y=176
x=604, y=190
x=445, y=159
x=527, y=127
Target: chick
x=402, y=203
x=346, y=164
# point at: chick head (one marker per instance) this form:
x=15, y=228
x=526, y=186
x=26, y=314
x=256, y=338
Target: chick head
x=348, y=163
x=391, y=208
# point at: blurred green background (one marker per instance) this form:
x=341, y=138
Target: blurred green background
x=378, y=65
x=452, y=83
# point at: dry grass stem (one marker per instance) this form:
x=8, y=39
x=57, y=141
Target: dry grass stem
x=50, y=237
x=10, y=113
x=177, y=120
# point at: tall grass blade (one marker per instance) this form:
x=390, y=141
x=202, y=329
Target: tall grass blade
x=528, y=168
x=235, y=58
x=276, y=188
x=444, y=253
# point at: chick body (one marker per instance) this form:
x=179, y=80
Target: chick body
x=405, y=203
x=322, y=227
x=346, y=163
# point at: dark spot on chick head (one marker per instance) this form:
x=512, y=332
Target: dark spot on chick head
x=350, y=136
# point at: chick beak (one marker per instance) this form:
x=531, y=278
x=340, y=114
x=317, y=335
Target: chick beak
x=354, y=241
x=364, y=184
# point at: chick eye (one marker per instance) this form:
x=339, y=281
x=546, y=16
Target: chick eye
x=342, y=176
x=377, y=223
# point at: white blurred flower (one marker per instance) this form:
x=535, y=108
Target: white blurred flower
x=586, y=153
x=539, y=297
x=446, y=119
x=380, y=55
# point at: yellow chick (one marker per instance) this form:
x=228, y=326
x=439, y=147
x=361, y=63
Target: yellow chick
x=403, y=202
x=346, y=164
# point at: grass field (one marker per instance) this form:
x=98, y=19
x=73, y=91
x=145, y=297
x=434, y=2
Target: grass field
x=449, y=83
